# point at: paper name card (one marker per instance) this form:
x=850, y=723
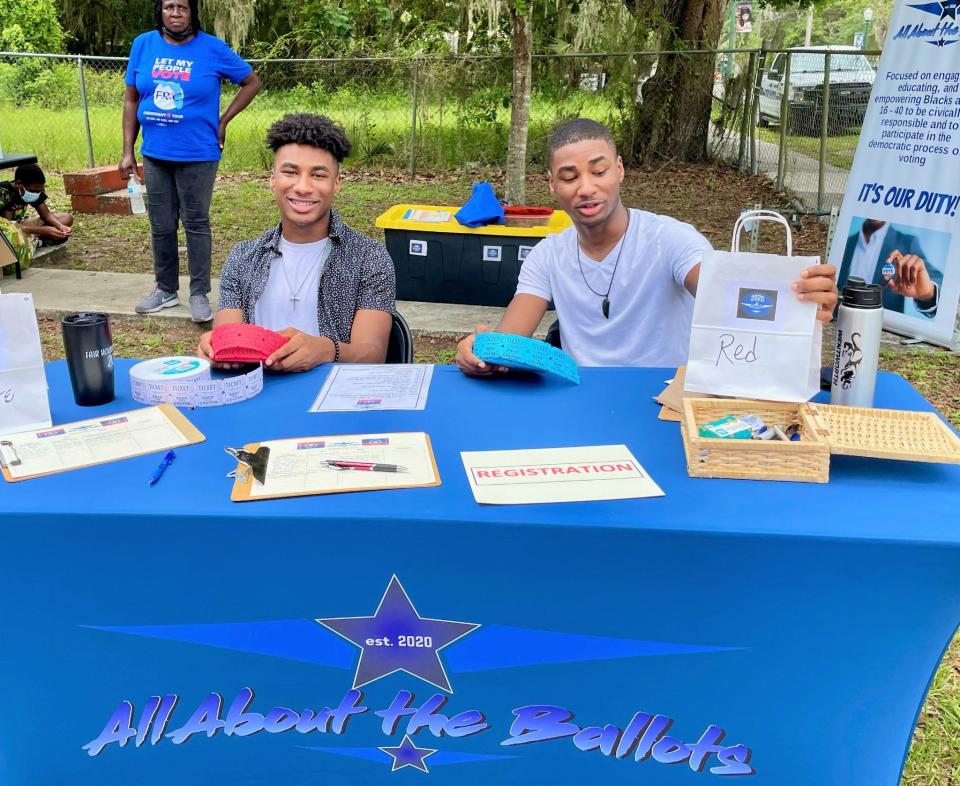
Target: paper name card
x=525, y=354
x=516, y=477
x=427, y=216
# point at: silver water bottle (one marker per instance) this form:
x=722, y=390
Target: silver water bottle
x=859, y=324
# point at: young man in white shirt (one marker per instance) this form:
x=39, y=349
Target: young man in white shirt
x=312, y=278
x=622, y=280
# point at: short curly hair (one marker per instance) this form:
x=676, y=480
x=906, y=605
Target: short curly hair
x=313, y=130
x=578, y=130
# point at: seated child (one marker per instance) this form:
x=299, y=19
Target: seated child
x=49, y=228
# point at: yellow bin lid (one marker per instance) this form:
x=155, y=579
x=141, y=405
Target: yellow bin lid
x=430, y=218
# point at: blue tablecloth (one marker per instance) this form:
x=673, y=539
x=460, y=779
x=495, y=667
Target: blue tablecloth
x=803, y=620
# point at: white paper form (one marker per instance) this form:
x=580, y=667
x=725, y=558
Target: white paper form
x=351, y=387
x=511, y=477
x=299, y=466
x=94, y=441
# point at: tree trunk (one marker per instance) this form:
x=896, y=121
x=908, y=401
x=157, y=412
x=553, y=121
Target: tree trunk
x=463, y=28
x=673, y=119
x=520, y=108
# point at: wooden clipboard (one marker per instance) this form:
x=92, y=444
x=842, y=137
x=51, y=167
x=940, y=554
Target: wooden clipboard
x=189, y=432
x=243, y=479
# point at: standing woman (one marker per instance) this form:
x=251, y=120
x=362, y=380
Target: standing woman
x=173, y=94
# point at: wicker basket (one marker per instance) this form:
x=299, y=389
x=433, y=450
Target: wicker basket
x=824, y=429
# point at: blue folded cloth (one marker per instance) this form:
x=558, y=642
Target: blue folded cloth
x=482, y=208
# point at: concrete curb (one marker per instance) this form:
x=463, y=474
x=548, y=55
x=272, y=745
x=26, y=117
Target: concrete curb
x=57, y=292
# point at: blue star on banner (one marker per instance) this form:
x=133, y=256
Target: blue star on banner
x=377, y=755
x=397, y=638
x=929, y=8
x=949, y=8
x=406, y=754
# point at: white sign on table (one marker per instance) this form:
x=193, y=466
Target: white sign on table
x=510, y=477
x=24, y=404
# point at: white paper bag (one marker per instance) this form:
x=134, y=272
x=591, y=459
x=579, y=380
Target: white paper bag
x=24, y=405
x=751, y=337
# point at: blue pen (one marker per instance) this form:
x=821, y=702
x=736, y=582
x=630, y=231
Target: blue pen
x=155, y=476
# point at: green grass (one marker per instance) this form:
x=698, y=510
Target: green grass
x=243, y=207
x=934, y=758
x=450, y=132
x=840, y=149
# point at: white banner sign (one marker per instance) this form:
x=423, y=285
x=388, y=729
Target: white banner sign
x=898, y=223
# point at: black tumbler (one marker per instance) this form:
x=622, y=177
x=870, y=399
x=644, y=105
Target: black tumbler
x=89, y=348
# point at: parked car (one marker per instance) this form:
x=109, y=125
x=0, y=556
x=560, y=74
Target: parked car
x=851, y=80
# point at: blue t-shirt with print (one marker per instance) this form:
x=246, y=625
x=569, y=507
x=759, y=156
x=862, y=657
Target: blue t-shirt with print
x=179, y=86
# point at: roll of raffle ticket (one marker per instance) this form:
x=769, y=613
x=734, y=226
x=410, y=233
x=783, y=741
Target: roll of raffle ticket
x=186, y=382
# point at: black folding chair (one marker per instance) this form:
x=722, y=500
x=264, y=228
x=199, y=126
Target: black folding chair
x=400, y=345
x=553, y=334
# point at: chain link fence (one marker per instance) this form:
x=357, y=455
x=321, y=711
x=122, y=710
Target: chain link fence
x=806, y=108
x=792, y=118
x=430, y=113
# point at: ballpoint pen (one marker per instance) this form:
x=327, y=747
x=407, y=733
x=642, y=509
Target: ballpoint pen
x=167, y=459
x=365, y=466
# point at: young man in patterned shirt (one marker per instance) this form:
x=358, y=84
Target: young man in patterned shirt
x=312, y=278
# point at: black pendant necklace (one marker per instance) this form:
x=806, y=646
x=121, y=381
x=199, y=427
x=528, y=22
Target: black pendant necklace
x=605, y=305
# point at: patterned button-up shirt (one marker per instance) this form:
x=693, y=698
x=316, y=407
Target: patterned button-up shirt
x=358, y=275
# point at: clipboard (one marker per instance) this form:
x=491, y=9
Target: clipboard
x=243, y=482
x=11, y=447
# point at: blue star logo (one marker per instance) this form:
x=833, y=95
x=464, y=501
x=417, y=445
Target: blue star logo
x=949, y=8
x=406, y=754
x=397, y=638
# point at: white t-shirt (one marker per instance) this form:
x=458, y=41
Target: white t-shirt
x=295, y=273
x=650, y=310
x=867, y=254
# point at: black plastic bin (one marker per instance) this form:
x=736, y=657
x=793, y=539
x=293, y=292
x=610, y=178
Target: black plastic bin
x=440, y=261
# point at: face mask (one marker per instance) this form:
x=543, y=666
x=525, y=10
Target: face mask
x=178, y=36
x=30, y=197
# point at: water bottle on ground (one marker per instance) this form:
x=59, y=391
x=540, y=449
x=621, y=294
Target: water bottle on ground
x=135, y=192
x=857, y=353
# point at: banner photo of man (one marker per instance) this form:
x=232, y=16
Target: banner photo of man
x=898, y=221
x=744, y=18
x=907, y=261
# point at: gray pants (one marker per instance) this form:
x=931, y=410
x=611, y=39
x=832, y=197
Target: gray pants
x=180, y=190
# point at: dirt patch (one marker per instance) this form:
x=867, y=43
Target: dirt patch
x=708, y=197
